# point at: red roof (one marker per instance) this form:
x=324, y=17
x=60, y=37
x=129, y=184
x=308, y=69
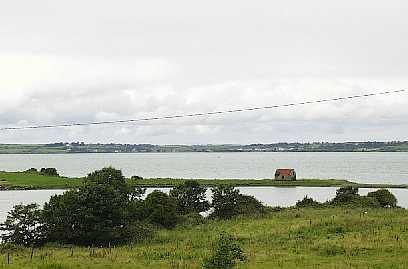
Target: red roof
x=285, y=172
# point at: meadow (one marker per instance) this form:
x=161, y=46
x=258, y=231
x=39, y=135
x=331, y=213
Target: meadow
x=288, y=238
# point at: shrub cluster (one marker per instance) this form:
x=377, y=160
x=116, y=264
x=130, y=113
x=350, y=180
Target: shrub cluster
x=349, y=196
x=107, y=210
x=226, y=252
x=50, y=171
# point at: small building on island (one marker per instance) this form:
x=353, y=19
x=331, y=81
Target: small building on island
x=285, y=174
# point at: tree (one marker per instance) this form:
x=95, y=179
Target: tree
x=24, y=226
x=95, y=214
x=225, y=253
x=384, y=197
x=160, y=209
x=225, y=201
x=49, y=172
x=249, y=205
x=190, y=198
x=346, y=195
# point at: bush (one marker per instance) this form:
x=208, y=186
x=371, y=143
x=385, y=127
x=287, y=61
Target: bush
x=225, y=253
x=345, y=195
x=31, y=171
x=160, y=209
x=136, y=177
x=384, y=197
x=307, y=202
x=190, y=198
x=49, y=172
x=98, y=213
x=228, y=202
x=191, y=219
x=24, y=226
x=225, y=202
x=249, y=205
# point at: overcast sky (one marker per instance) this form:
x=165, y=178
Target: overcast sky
x=82, y=60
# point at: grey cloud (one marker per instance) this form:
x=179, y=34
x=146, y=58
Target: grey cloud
x=76, y=61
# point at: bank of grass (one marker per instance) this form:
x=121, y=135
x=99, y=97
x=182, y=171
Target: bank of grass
x=32, y=181
x=171, y=182
x=21, y=180
x=291, y=238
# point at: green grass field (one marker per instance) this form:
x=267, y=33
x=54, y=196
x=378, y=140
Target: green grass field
x=292, y=238
x=21, y=180
x=18, y=180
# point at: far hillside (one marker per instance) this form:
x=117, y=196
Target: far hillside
x=81, y=147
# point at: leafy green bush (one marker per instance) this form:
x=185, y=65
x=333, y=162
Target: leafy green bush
x=49, y=172
x=228, y=202
x=191, y=219
x=161, y=209
x=225, y=201
x=308, y=202
x=24, y=226
x=98, y=213
x=384, y=197
x=249, y=205
x=31, y=171
x=190, y=197
x=226, y=253
x=345, y=195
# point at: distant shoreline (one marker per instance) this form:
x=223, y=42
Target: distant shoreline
x=77, y=147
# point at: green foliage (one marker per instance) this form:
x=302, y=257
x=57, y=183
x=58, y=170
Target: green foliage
x=191, y=220
x=24, y=226
x=384, y=197
x=190, y=197
x=226, y=252
x=160, y=209
x=228, y=202
x=52, y=172
x=345, y=195
x=332, y=237
x=96, y=213
x=348, y=196
x=308, y=202
x=32, y=171
x=225, y=201
x=249, y=205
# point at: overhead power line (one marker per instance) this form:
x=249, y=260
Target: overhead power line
x=203, y=113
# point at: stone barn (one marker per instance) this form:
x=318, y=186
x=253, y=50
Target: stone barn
x=285, y=174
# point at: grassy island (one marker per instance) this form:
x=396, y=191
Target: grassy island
x=33, y=181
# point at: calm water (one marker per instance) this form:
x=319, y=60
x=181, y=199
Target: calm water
x=360, y=167
x=268, y=195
